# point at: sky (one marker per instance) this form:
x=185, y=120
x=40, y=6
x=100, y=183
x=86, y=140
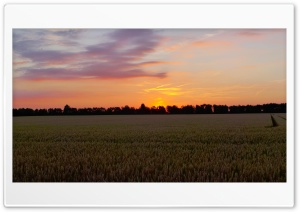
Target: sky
x=157, y=67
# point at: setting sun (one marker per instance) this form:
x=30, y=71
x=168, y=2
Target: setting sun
x=159, y=102
x=158, y=67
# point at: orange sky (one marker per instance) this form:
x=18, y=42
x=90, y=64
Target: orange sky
x=110, y=67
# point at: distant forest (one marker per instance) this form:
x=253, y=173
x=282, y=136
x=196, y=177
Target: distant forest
x=126, y=110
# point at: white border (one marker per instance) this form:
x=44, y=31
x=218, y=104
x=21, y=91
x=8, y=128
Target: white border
x=148, y=16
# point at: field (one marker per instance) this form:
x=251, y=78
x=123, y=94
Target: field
x=150, y=148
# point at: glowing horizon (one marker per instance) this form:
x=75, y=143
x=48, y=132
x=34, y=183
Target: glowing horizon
x=157, y=67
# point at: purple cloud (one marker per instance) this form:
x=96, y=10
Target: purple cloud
x=117, y=58
x=257, y=32
x=135, y=35
x=45, y=56
x=69, y=33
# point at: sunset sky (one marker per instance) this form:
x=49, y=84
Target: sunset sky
x=118, y=67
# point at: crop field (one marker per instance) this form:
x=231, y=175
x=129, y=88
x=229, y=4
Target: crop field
x=150, y=148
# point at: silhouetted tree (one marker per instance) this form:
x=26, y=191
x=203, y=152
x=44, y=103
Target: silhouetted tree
x=117, y=110
x=199, y=109
x=24, y=112
x=282, y=108
x=173, y=109
x=109, y=110
x=252, y=109
x=40, y=112
x=237, y=109
x=274, y=108
x=188, y=109
x=161, y=110
x=154, y=110
x=70, y=111
x=15, y=112
x=219, y=109
x=67, y=110
x=99, y=110
x=207, y=108
x=55, y=111
x=128, y=110
x=143, y=109
x=158, y=110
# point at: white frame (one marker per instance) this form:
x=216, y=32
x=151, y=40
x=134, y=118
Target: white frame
x=149, y=16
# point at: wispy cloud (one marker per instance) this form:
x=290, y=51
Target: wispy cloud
x=130, y=66
x=256, y=33
x=116, y=59
x=168, y=89
x=154, y=63
x=249, y=33
x=211, y=43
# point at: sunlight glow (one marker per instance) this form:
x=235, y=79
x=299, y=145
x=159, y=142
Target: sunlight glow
x=55, y=67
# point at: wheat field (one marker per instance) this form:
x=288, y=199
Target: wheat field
x=150, y=148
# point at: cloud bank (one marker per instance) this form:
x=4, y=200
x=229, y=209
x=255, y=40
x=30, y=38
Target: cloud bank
x=67, y=54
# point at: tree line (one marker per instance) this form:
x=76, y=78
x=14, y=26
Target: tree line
x=143, y=109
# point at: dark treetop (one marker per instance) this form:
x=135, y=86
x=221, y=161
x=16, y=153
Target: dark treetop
x=143, y=109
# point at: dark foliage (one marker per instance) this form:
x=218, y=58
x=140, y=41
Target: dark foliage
x=143, y=109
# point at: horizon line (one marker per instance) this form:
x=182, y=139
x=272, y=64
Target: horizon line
x=153, y=106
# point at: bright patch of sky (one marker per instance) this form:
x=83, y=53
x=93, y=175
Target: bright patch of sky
x=153, y=66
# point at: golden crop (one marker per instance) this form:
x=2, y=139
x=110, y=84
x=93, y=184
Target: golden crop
x=149, y=148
